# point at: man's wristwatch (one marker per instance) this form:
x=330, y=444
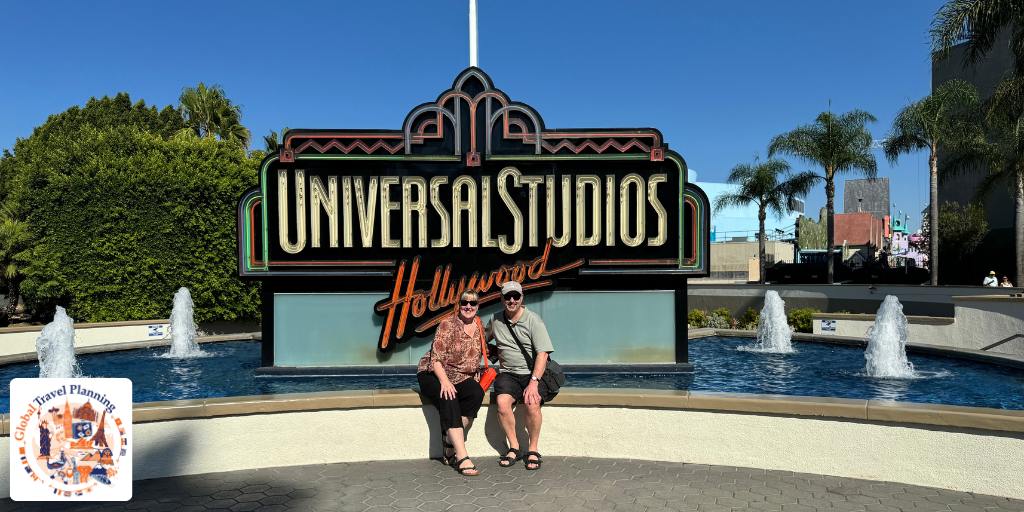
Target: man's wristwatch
x=535, y=379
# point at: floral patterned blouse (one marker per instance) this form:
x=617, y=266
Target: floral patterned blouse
x=458, y=352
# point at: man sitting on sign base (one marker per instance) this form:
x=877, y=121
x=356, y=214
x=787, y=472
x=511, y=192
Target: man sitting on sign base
x=519, y=333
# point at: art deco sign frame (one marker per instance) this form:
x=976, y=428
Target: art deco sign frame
x=473, y=190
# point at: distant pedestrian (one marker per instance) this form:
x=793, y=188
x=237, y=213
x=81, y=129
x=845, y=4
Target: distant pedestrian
x=990, y=280
x=1005, y=283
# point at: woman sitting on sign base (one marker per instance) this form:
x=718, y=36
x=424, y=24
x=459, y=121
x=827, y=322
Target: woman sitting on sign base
x=448, y=376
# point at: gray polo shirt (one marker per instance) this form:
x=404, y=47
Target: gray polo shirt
x=532, y=333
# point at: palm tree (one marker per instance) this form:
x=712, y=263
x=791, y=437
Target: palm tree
x=208, y=112
x=14, y=240
x=1005, y=155
x=947, y=120
x=770, y=186
x=978, y=23
x=273, y=140
x=838, y=144
x=270, y=142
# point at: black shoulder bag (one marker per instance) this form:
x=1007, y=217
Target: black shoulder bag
x=553, y=376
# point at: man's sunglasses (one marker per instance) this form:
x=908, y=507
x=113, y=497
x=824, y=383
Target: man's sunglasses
x=464, y=302
x=513, y=296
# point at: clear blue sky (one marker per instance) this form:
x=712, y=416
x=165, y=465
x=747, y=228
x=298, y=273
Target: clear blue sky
x=719, y=79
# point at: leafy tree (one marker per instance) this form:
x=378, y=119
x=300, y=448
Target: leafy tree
x=946, y=120
x=923, y=243
x=978, y=23
x=38, y=158
x=108, y=112
x=208, y=112
x=961, y=229
x=838, y=144
x=1005, y=154
x=136, y=217
x=121, y=212
x=769, y=186
x=812, y=233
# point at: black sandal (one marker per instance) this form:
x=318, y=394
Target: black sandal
x=511, y=461
x=462, y=470
x=446, y=459
x=536, y=463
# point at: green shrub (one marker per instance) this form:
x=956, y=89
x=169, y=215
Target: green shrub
x=697, y=318
x=720, y=322
x=749, y=319
x=800, y=319
x=722, y=312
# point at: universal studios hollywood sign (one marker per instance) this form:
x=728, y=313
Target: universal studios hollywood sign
x=471, y=192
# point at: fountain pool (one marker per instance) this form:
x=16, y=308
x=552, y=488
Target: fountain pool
x=183, y=327
x=815, y=369
x=773, y=332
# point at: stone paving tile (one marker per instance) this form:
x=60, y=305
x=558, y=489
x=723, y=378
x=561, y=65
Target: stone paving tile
x=564, y=484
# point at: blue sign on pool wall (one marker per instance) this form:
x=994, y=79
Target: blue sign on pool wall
x=364, y=239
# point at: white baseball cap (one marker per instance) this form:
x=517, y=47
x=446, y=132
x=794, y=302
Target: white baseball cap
x=511, y=286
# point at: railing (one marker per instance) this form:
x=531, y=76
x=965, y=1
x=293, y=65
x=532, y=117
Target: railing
x=1002, y=341
x=751, y=235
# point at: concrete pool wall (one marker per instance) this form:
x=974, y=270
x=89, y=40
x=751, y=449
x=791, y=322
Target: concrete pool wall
x=960, y=448
x=991, y=323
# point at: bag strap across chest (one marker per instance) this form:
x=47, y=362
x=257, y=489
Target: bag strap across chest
x=529, y=360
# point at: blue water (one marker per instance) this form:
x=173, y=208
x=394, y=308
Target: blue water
x=816, y=369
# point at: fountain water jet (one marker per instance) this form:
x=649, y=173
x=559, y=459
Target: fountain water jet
x=55, y=348
x=886, y=354
x=183, y=327
x=773, y=332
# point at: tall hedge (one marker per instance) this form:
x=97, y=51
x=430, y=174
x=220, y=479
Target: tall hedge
x=123, y=215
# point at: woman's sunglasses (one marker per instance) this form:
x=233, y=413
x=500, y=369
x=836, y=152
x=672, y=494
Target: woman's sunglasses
x=468, y=302
x=513, y=296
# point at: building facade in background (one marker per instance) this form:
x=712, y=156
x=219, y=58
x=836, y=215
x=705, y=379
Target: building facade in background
x=739, y=224
x=996, y=250
x=734, y=235
x=861, y=235
x=871, y=196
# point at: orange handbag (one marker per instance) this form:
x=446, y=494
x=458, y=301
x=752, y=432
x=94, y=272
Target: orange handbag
x=489, y=374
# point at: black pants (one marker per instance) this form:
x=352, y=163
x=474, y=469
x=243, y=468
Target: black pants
x=468, y=397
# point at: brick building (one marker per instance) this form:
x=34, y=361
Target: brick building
x=861, y=235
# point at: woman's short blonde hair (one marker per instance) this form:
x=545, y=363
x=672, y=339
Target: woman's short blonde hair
x=469, y=295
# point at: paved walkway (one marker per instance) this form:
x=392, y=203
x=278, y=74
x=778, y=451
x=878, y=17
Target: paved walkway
x=562, y=484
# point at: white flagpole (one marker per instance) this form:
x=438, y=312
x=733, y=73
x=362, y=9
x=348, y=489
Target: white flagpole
x=472, y=33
